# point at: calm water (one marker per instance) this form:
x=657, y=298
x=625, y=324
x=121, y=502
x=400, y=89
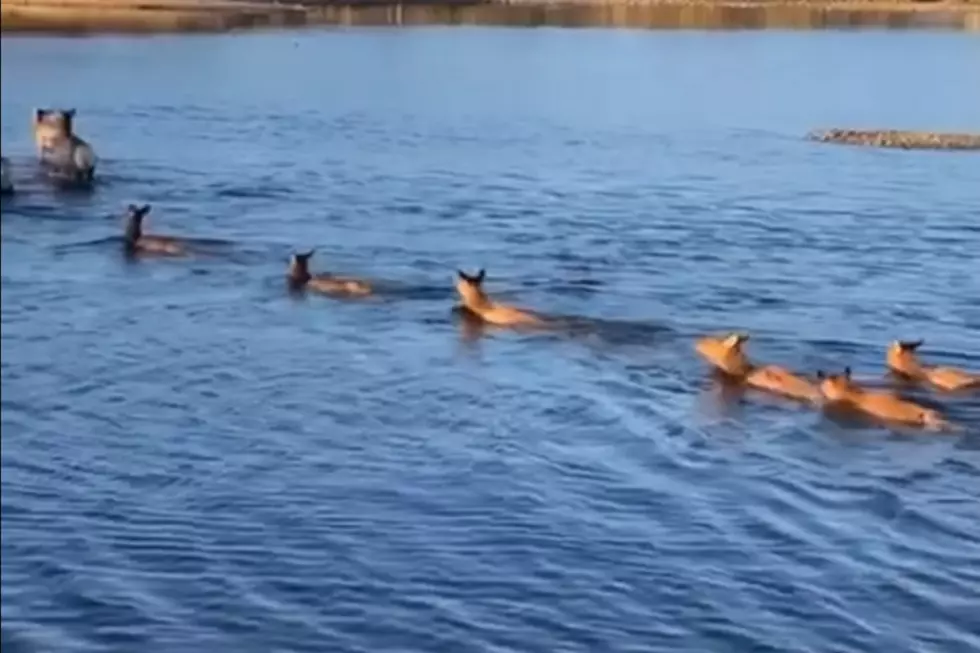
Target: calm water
x=195, y=460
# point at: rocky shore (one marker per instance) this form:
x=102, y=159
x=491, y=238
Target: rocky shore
x=907, y=140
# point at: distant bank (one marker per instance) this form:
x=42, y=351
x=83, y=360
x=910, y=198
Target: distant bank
x=74, y=16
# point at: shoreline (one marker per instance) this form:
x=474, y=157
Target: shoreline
x=162, y=16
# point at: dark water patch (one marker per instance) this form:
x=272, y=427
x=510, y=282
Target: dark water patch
x=11, y=640
x=261, y=189
x=575, y=288
x=416, y=291
x=145, y=175
x=614, y=332
x=35, y=212
x=68, y=183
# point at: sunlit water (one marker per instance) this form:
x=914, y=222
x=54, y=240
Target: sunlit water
x=193, y=459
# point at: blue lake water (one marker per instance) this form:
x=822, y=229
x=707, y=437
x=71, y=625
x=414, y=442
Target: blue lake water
x=193, y=459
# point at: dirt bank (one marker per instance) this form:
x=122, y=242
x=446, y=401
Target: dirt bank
x=214, y=15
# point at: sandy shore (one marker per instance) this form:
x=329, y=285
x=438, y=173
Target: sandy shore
x=215, y=15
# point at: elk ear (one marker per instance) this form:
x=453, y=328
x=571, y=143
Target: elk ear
x=847, y=373
x=735, y=340
x=143, y=210
x=70, y=113
x=481, y=275
x=910, y=345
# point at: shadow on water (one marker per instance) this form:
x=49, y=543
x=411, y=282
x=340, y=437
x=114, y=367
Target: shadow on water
x=383, y=290
x=592, y=330
x=852, y=420
x=67, y=184
x=31, y=178
x=197, y=248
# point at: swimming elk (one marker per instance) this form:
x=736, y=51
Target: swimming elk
x=299, y=277
x=903, y=361
x=137, y=242
x=66, y=155
x=841, y=390
x=476, y=301
x=728, y=355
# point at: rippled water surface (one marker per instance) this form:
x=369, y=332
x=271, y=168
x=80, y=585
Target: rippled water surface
x=193, y=459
